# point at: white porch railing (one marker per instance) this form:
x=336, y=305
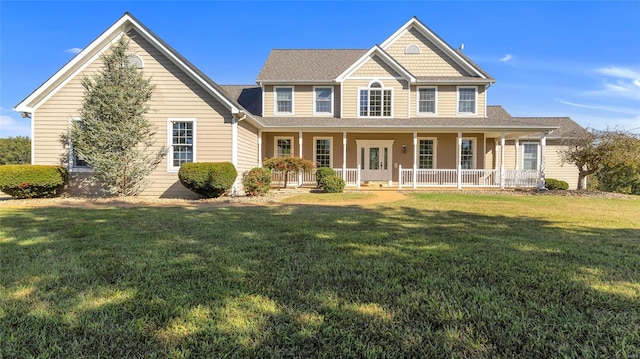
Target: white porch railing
x=468, y=178
x=351, y=178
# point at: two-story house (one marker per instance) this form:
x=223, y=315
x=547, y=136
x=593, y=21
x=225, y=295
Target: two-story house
x=411, y=112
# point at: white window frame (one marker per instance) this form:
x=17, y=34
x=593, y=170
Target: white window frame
x=435, y=152
x=475, y=105
x=522, y=145
x=275, y=100
x=474, y=155
x=315, y=112
x=382, y=88
x=435, y=106
x=412, y=49
x=275, y=145
x=315, y=149
x=71, y=166
x=170, y=121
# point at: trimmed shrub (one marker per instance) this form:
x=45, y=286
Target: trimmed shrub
x=257, y=181
x=322, y=173
x=553, y=184
x=32, y=181
x=208, y=179
x=332, y=184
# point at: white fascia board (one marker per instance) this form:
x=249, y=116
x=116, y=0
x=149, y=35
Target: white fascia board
x=414, y=22
x=377, y=50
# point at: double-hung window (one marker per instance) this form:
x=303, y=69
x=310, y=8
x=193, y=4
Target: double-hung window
x=467, y=154
x=427, y=100
x=76, y=162
x=284, y=100
x=426, y=155
x=467, y=100
x=375, y=101
x=323, y=100
x=283, y=146
x=530, y=156
x=182, y=141
x=322, y=151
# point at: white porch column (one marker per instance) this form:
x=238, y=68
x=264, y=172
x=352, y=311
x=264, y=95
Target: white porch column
x=415, y=160
x=459, y=161
x=344, y=157
x=543, y=149
x=259, y=148
x=300, y=154
x=502, y=173
x=517, y=152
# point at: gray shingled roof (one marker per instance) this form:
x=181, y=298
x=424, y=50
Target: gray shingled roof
x=248, y=96
x=307, y=65
x=566, y=124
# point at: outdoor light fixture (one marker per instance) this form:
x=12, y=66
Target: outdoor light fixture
x=404, y=148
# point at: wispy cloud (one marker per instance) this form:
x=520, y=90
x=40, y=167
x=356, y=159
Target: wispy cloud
x=617, y=109
x=506, y=58
x=10, y=127
x=619, y=82
x=73, y=50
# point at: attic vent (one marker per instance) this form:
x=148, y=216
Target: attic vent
x=135, y=61
x=412, y=49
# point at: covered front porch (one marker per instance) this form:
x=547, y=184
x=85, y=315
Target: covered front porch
x=406, y=160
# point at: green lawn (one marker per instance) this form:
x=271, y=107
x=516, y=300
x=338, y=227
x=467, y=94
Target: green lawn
x=436, y=275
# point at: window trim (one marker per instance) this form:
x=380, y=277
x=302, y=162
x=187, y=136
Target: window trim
x=315, y=149
x=412, y=49
x=435, y=105
x=475, y=104
x=315, y=112
x=538, y=149
x=170, y=166
x=275, y=100
x=275, y=145
x=474, y=157
x=382, y=88
x=71, y=167
x=435, y=152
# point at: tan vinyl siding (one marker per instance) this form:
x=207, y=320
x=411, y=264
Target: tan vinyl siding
x=247, y=150
x=303, y=101
x=431, y=61
x=375, y=67
x=555, y=169
x=176, y=95
x=447, y=101
x=267, y=101
x=351, y=95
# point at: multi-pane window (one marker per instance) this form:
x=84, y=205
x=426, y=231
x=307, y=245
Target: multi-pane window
x=284, y=100
x=375, y=101
x=323, y=99
x=323, y=152
x=181, y=150
x=426, y=154
x=466, y=154
x=467, y=100
x=530, y=156
x=427, y=100
x=283, y=146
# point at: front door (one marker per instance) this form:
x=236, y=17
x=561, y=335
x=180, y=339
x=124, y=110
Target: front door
x=375, y=161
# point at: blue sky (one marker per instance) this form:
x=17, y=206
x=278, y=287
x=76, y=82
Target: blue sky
x=577, y=59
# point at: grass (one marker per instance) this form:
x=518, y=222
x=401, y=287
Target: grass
x=437, y=275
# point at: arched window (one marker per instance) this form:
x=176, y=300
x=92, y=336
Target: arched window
x=375, y=85
x=412, y=49
x=375, y=101
x=135, y=61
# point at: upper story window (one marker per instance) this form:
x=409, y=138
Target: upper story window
x=375, y=101
x=467, y=100
x=182, y=140
x=412, y=49
x=323, y=100
x=427, y=100
x=284, y=100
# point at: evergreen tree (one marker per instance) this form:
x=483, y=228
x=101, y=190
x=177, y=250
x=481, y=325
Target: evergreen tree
x=15, y=150
x=114, y=138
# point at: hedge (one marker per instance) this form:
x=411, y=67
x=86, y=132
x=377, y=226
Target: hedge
x=553, y=184
x=332, y=184
x=208, y=179
x=257, y=181
x=32, y=181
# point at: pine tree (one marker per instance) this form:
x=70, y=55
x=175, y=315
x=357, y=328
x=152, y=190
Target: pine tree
x=113, y=137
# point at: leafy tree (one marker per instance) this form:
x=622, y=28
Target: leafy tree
x=611, y=154
x=288, y=164
x=15, y=150
x=114, y=138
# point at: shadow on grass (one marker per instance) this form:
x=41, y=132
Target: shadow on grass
x=312, y=281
